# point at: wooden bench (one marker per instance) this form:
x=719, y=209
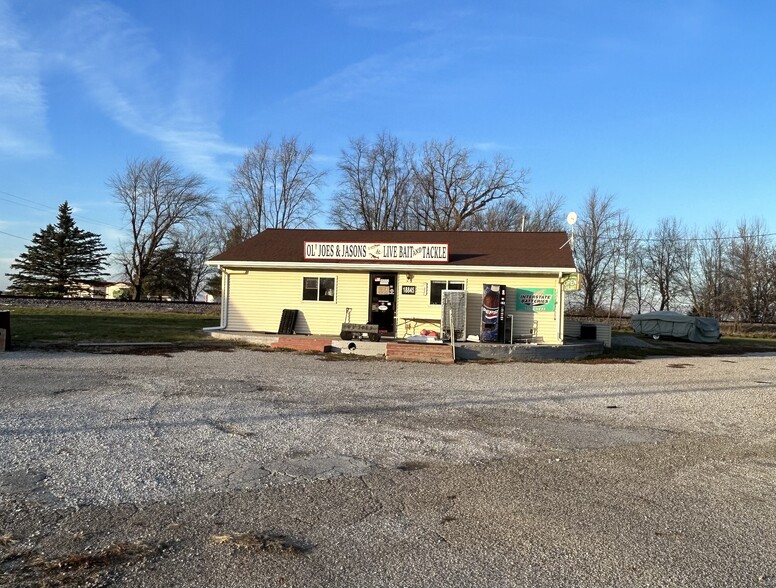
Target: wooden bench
x=411, y=324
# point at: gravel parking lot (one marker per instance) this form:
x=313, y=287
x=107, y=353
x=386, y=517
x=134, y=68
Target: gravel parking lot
x=251, y=468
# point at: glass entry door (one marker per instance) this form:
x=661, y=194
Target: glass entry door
x=382, y=301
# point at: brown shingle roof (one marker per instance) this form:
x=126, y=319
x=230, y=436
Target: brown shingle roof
x=470, y=248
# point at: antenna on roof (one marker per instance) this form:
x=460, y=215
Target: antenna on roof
x=571, y=218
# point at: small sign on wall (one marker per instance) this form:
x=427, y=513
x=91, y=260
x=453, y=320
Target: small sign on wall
x=408, y=290
x=535, y=299
x=572, y=283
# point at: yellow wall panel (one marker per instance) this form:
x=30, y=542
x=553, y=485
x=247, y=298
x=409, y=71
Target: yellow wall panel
x=544, y=325
x=256, y=299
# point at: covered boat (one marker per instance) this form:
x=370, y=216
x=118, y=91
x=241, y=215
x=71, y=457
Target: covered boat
x=673, y=324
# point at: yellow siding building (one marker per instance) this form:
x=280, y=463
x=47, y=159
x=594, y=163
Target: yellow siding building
x=393, y=280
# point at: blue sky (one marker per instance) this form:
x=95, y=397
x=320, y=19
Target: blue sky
x=670, y=106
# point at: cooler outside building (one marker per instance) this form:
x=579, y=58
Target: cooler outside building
x=394, y=280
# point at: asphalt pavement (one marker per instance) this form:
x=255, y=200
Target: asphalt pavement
x=250, y=468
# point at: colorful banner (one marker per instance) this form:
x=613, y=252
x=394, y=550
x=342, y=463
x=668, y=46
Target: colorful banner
x=434, y=252
x=535, y=299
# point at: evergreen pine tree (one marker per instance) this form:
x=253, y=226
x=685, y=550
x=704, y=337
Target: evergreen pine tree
x=167, y=274
x=61, y=259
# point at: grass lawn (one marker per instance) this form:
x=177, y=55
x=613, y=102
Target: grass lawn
x=728, y=345
x=62, y=327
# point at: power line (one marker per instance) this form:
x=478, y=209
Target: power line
x=682, y=239
x=34, y=207
x=730, y=238
x=44, y=207
x=14, y=236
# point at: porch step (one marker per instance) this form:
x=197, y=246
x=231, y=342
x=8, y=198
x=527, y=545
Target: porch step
x=302, y=344
x=428, y=353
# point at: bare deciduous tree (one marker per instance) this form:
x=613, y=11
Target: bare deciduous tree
x=273, y=187
x=546, y=213
x=376, y=185
x=665, y=252
x=504, y=215
x=513, y=214
x=450, y=188
x=157, y=198
x=624, y=260
x=595, y=244
x=196, y=244
x=753, y=284
x=706, y=273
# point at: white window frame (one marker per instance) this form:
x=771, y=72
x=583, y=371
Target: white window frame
x=318, y=288
x=447, y=287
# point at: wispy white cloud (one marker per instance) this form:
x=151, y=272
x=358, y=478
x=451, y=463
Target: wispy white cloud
x=23, y=111
x=325, y=159
x=379, y=74
x=434, y=40
x=489, y=146
x=405, y=16
x=127, y=77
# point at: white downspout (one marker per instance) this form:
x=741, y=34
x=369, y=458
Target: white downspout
x=224, y=298
x=562, y=302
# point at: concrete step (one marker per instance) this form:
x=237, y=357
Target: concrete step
x=303, y=344
x=419, y=353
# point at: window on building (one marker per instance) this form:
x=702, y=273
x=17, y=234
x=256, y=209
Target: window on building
x=438, y=286
x=321, y=289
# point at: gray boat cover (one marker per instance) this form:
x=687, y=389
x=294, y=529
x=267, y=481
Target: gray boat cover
x=673, y=324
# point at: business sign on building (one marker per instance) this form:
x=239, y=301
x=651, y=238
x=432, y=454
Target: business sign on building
x=333, y=250
x=572, y=283
x=536, y=299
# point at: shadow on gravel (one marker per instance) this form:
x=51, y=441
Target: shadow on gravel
x=412, y=466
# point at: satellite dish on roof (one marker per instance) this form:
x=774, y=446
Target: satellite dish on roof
x=570, y=219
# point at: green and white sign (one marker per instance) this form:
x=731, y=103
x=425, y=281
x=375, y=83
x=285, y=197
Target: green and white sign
x=536, y=299
x=572, y=283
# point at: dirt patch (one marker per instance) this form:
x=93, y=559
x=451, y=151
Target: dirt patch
x=28, y=568
x=601, y=359
x=629, y=341
x=349, y=357
x=271, y=542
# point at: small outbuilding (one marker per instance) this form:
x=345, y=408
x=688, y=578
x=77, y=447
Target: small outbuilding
x=397, y=282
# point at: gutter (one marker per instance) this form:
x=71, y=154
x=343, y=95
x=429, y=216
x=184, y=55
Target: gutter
x=435, y=268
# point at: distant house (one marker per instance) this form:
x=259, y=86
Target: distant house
x=114, y=290
x=87, y=289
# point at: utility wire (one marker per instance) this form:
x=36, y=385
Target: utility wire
x=44, y=207
x=14, y=236
x=604, y=240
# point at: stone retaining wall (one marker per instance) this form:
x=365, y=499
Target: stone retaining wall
x=114, y=305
